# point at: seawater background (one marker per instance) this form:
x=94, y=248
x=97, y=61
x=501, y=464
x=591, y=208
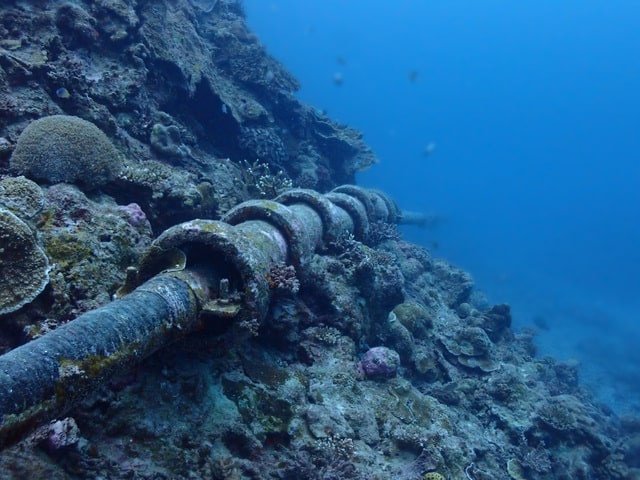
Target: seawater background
x=534, y=110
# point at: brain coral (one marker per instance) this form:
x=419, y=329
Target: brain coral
x=62, y=148
x=25, y=267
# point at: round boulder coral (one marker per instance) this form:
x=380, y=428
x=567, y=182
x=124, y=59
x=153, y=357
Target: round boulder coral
x=63, y=148
x=25, y=267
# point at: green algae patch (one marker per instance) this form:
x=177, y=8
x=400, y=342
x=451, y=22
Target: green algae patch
x=67, y=250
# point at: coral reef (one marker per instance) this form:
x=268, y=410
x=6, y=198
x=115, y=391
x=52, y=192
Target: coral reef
x=91, y=243
x=257, y=181
x=263, y=144
x=374, y=361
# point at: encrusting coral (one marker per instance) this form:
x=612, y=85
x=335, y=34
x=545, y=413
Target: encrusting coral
x=22, y=196
x=25, y=267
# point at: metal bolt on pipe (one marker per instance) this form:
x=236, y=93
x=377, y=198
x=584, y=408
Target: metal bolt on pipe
x=198, y=271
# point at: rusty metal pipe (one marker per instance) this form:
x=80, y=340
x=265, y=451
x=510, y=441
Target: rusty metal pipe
x=192, y=271
x=46, y=377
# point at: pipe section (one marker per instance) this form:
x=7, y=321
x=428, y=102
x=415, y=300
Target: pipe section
x=200, y=270
x=43, y=379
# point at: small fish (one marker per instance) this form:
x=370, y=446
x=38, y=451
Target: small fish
x=338, y=79
x=542, y=323
x=429, y=149
x=341, y=61
x=413, y=75
x=62, y=93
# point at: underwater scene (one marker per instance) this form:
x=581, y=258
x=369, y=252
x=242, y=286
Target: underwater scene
x=305, y=239
x=515, y=125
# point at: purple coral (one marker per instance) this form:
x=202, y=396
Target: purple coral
x=379, y=362
x=58, y=434
x=134, y=214
x=282, y=278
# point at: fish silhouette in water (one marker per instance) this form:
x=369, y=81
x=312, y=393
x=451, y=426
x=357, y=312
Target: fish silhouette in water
x=542, y=323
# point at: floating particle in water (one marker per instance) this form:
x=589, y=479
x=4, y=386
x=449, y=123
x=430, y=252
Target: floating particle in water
x=429, y=149
x=63, y=93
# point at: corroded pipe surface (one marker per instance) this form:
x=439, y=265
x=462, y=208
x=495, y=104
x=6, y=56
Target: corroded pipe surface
x=418, y=219
x=301, y=230
x=44, y=378
x=335, y=220
x=195, y=270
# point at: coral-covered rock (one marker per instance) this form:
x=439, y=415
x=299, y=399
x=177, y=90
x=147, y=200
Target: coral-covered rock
x=495, y=321
x=472, y=348
x=90, y=243
x=58, y=434
x=415, y=318
x=167, y=196
x=379, y=363
x=400, y=338
x=22, y=196
x=456, y=282
x=24, y=271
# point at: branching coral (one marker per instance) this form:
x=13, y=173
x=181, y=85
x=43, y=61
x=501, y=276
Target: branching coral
x=258, y=182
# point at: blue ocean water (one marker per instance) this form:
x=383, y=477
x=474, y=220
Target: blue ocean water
x=518, y=125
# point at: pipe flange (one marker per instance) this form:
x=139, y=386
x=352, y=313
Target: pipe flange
x=356, y=210
x=240, y=260
x=281, y=217
x=393, y=212
x=363, y=196
x=334, y=224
